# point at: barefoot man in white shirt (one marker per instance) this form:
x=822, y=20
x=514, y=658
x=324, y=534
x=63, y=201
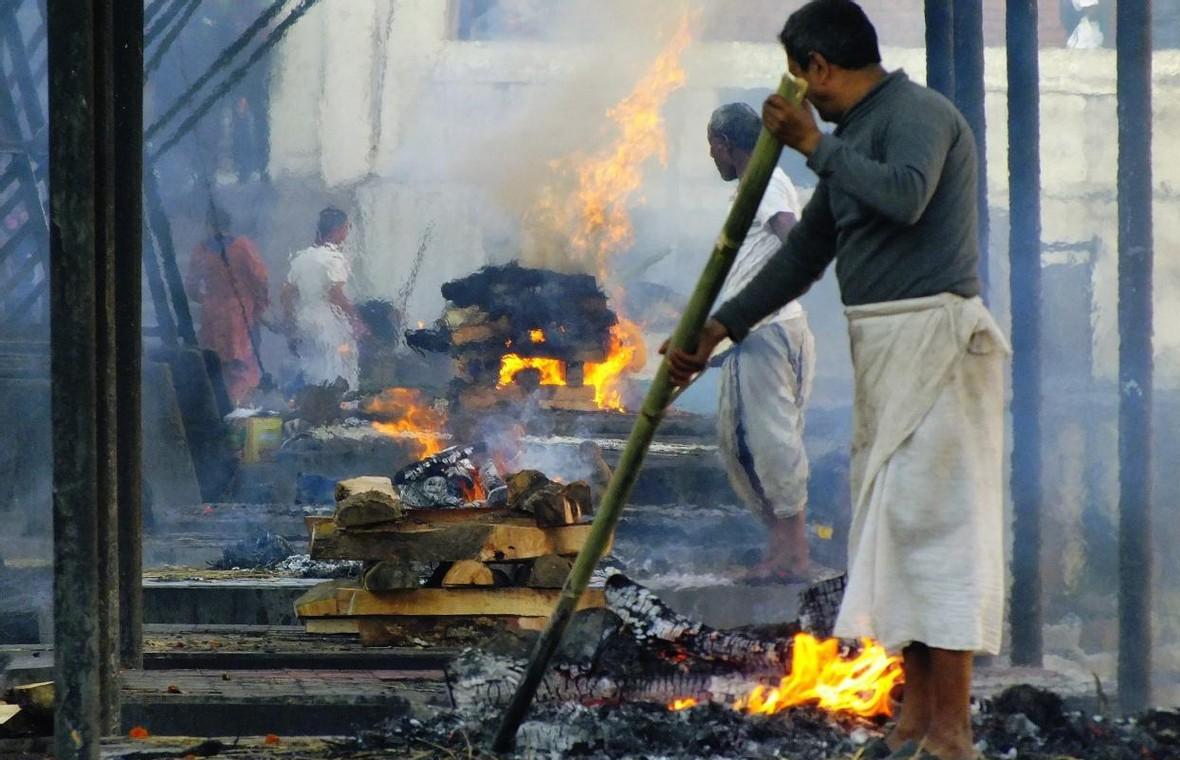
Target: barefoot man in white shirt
x=765, y=380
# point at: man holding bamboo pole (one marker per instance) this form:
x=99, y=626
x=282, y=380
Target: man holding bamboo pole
x=896, y=209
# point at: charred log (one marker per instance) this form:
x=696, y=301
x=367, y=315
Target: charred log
x=552, y=504
x=549, y=571
x=391, y=575
x=652, y=622
x=368, y=508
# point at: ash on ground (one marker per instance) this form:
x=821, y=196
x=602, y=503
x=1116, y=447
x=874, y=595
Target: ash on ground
x=631, y=730
x=1023, y=722
x=263, y=550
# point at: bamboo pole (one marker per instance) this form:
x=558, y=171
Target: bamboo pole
x=753, y=185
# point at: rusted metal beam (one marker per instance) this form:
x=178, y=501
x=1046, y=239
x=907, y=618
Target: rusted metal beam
x=1135, y=352
x=1024, y=252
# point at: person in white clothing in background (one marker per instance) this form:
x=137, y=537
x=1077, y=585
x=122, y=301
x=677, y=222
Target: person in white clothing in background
x=766, y=379
x=323, y=323
x=1088, y=32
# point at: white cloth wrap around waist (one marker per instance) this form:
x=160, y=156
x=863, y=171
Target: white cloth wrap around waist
x=926, y=549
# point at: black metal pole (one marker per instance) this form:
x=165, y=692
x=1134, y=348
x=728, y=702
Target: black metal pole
x=161, y=230
x=1024, y=251
x=171, y=37
x=1135, y=347
x=106, y=415
x=72, y=147
x=128, y=322
x=223, y=59
x=227, y=84
x=940, y=46
x=969, y=97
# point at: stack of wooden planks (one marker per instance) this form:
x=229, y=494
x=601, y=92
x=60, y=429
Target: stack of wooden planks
x=426, y=570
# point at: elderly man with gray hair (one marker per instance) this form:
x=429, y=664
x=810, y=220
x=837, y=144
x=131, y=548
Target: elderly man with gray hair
x=765, y=380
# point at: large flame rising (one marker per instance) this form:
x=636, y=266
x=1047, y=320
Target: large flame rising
x=627, y=354
x=820, y=676
x=409, y=417
x=590, y=220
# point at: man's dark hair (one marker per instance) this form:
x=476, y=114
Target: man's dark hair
x=331, y=219
x=219, y=220
x=737, y=123
x=838, y=30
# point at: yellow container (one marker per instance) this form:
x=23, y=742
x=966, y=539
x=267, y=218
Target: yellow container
x=263, y=436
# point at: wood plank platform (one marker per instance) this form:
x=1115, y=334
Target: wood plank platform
x=288, y=701
x=344, y=599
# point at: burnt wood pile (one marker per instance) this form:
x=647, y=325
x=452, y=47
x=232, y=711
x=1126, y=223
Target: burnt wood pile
x=524, y=313
x=444, y=541
x=608, y=696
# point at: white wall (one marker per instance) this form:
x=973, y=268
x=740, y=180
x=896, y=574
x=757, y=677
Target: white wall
x=374, y=101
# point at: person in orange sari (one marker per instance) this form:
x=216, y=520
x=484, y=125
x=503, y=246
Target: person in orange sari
x=228, y=278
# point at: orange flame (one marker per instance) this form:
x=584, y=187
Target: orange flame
x=409, y=417
x=592, y=220
x=627, y=353
x=475, y=492
x=537, y=336
x=682, y=704
x=511, y=365
x=819, y=676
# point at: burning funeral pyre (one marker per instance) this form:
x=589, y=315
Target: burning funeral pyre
x=446, y=540
x=515, y=332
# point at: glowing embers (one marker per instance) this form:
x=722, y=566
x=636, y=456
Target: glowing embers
x=406, y=415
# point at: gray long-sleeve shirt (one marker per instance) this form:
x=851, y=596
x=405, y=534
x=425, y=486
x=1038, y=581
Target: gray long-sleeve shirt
x=895, y=207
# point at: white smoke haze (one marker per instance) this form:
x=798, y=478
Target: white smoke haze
x=515, y=144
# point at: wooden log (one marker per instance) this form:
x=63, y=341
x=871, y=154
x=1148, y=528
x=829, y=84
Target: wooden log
x=323, y=600
x=8, y=712
x=600, y=471
x=331, y=626
x=507, y=539
x=549, y=571
x=487, y=332
x=336, y=599
x=550, y=503
x=566, y=396
x=550, y=507
x=437, y=631
x=39, y=696
x=461, y=602
x=521, y=484
x=456, y=317
x=468, y=572
x=389, y=575
x=352, y=486
x=367, y=509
